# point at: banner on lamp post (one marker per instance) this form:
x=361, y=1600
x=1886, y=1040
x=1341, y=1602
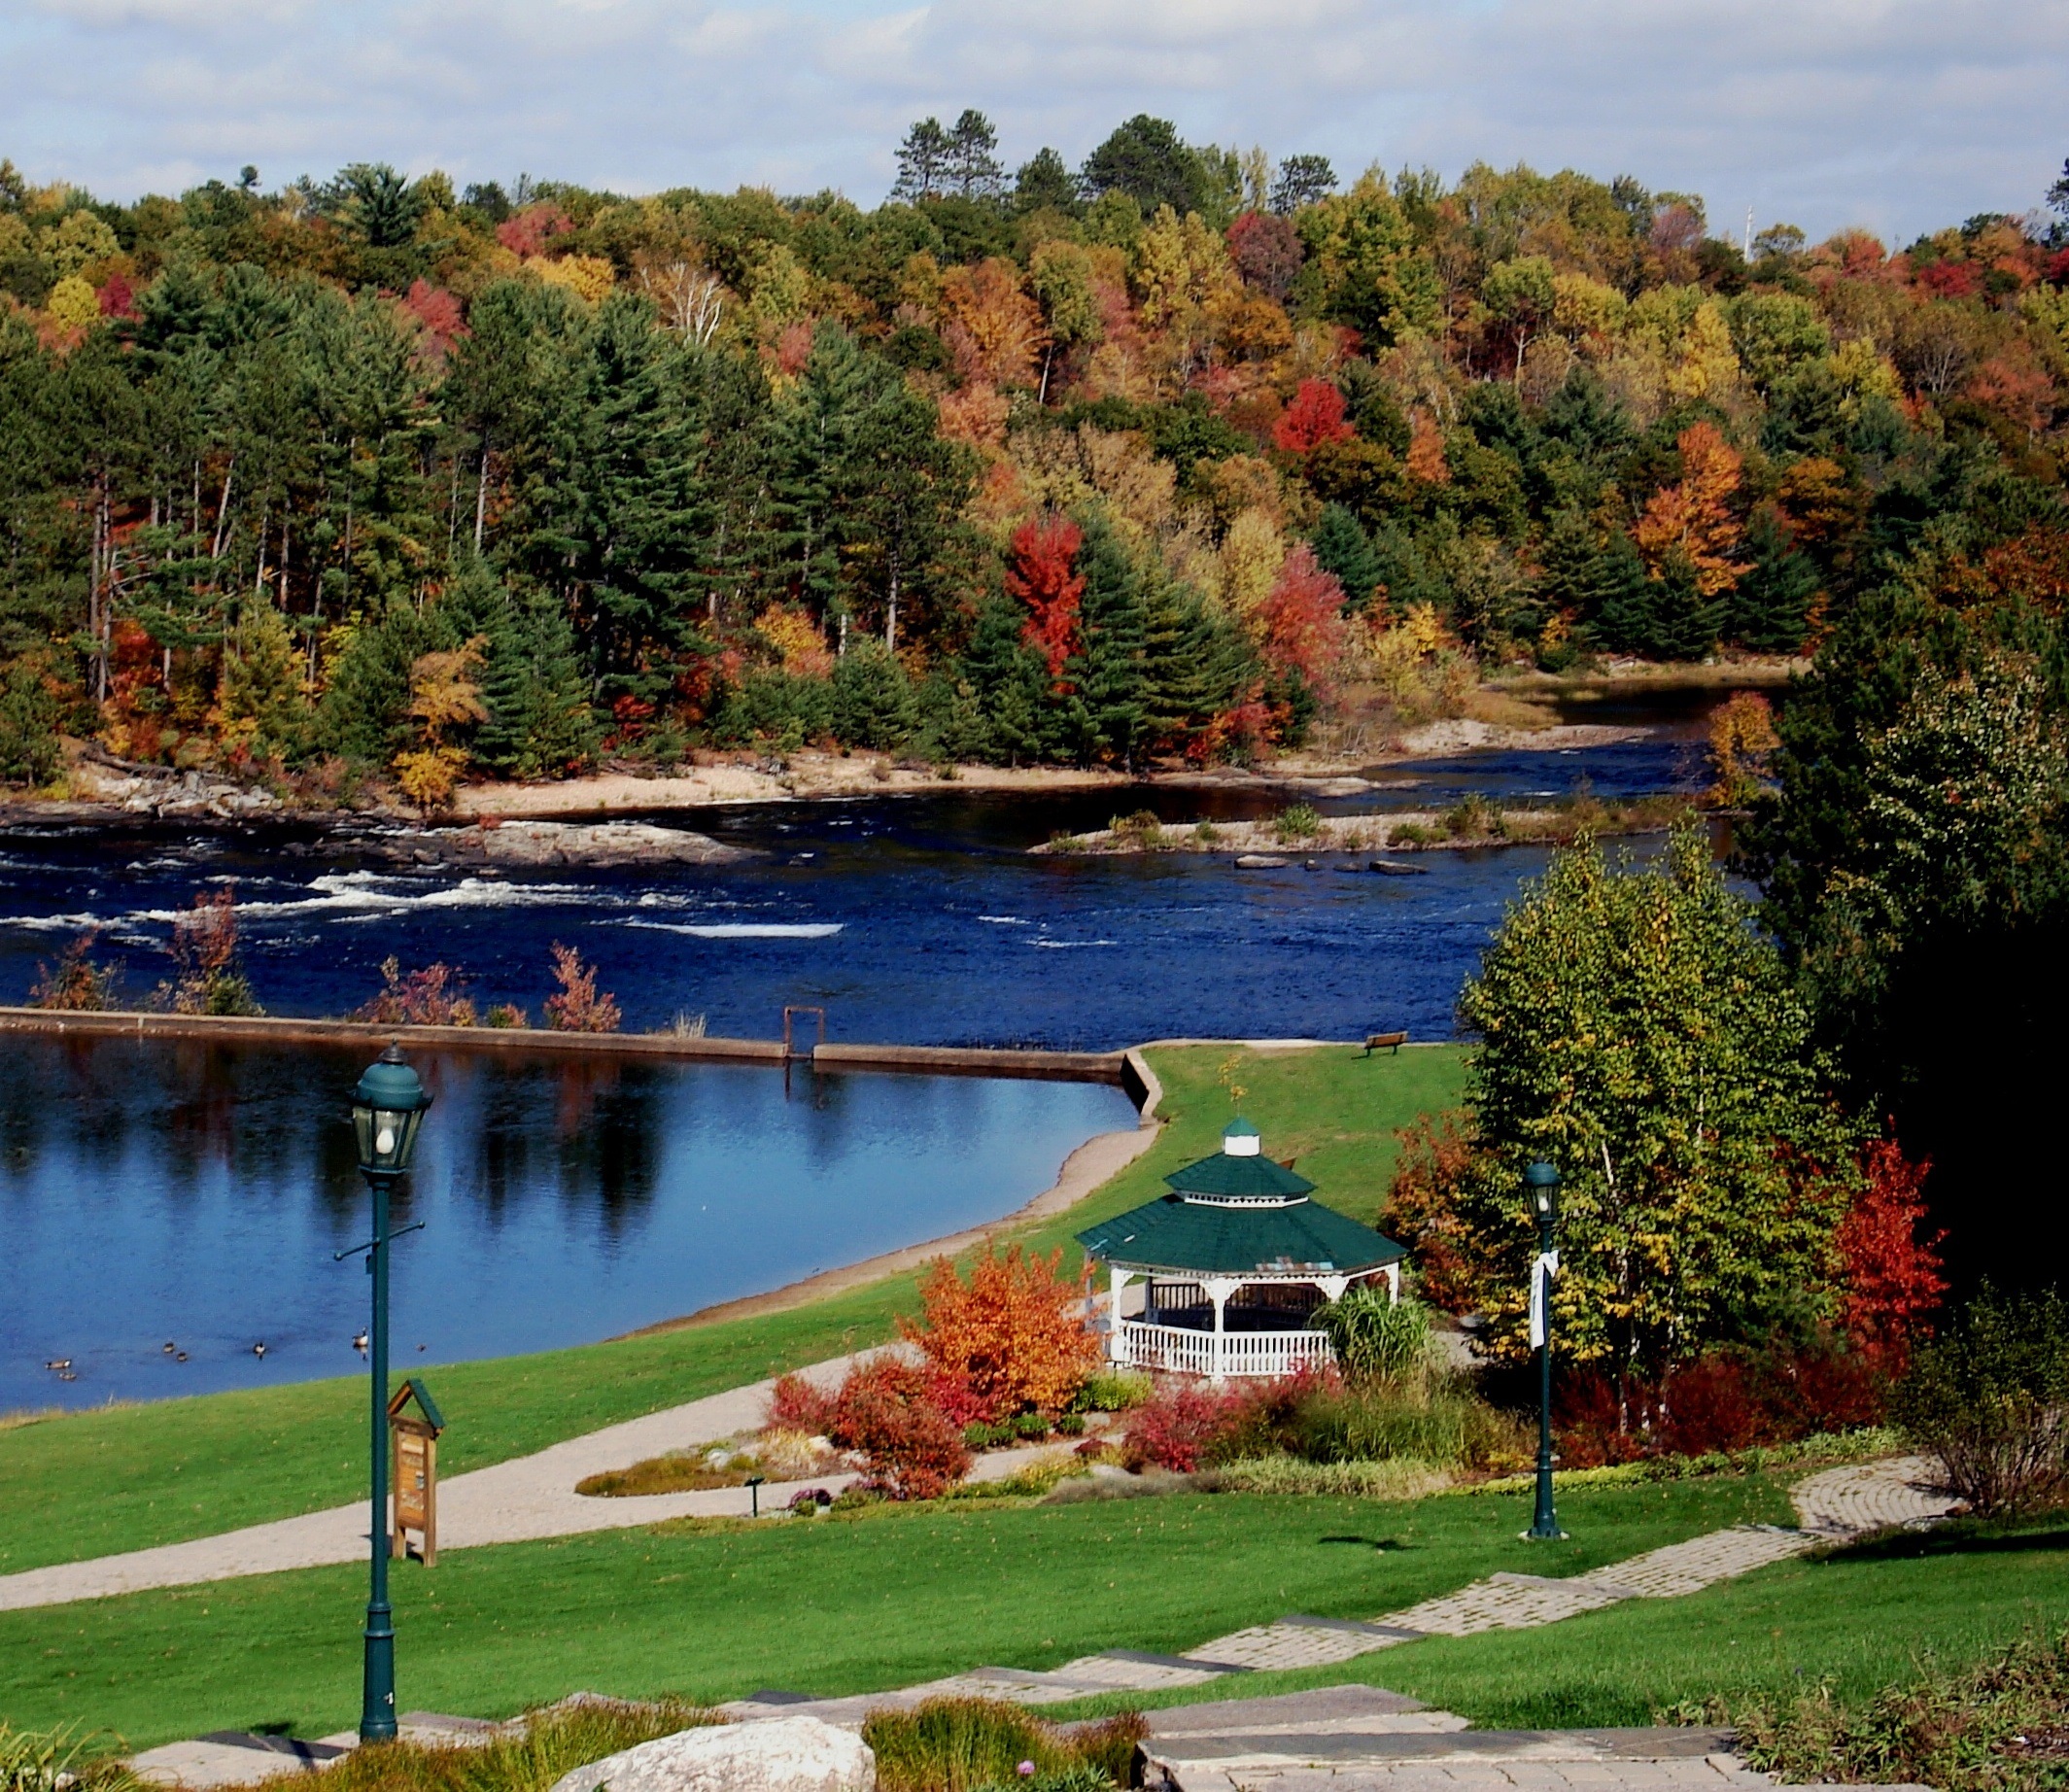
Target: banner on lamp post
x=1541, y=1273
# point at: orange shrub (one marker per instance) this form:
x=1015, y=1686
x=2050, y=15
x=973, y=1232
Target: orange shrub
x=1011, y=1337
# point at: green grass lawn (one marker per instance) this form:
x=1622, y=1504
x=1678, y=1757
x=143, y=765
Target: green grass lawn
x=823, y=1607
x=98, y=1482
x=1854, y=1621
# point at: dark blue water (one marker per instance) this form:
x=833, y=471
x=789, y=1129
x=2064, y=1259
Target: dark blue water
x=168, y=1191
x=912, y=919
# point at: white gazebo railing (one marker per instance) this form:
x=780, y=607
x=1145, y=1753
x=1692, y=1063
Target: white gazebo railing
x=1184, y=1350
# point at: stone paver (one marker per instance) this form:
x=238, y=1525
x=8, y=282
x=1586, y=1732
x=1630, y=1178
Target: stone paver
x=1872, y=1496
x=1688, y=1568
x=1503, y=1602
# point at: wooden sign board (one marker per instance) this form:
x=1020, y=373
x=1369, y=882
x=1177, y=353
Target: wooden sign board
x=415, y=1465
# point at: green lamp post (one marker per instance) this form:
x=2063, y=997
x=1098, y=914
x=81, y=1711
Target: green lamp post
x=1542, y=1181
x=386, y=1109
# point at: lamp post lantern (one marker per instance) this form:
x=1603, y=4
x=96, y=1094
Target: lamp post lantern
x=386, y=1109
x=1542, y=1181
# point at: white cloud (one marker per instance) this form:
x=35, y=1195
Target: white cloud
x=1900, y=114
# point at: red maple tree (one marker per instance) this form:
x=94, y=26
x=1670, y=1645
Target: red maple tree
x=1041, y=577
x=1892, y=1271
x=1314, y=416
x=1302, y=620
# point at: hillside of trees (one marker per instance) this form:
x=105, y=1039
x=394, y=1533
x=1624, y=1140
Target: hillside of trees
x=1172, y=454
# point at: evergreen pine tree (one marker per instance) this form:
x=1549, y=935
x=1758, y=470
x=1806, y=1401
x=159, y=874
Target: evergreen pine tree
x=1618, y=596
x=1342, y=547
x=1685, y=620
x=1770, y=607
x=1109, y=672
x=1010, y=678
x=628, y=527
x=1567, y=556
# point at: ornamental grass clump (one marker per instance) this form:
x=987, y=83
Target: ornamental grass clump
x=527, y=1756
x=59, y=1761
x=966, y=1745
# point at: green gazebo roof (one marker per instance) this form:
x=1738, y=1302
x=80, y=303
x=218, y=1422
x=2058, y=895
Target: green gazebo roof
x=1239, y=1213
x=1225, y=1178
x=1172, y=1232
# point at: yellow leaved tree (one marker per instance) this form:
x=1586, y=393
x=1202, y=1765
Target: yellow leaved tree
x=443, y=694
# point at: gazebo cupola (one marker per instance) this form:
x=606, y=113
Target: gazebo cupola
x=1233, y=1262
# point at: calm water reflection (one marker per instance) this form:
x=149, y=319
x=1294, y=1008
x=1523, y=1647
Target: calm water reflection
x=157, y=1192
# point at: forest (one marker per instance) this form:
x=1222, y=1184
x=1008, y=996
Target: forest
x=369, y=484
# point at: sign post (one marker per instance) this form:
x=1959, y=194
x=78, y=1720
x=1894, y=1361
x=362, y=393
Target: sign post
x=415, y=1441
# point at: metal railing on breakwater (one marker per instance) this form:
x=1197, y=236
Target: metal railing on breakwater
x=1124, y=1070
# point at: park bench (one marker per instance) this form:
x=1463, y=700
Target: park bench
x=1375, y=1042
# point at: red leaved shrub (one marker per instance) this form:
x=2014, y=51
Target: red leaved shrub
x=796, y=1405
x=1178, y=1426
x=887, y=1412
x=1727, y=1399
x=910, y=1447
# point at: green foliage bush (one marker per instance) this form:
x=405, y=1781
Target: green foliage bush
x=1296, y=824
x=1989, y=1400
x=1112, y=1390
x=781, y=707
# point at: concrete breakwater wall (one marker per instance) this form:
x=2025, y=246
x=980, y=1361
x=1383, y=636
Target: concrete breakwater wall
x=1124, y=1070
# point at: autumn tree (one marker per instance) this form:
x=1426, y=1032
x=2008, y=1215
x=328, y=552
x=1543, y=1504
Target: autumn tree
x=1635, y=1032
x=1693, y=515
x=1042, y=576
x=578, y=1006
x=1314, y=418
x=444, y=694
x=1892, y=1269
x=1010, y=1336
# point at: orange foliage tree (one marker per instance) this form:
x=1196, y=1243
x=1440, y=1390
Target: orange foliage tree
x=1041, y=577
x=1011, y=1339
x=1695, y=513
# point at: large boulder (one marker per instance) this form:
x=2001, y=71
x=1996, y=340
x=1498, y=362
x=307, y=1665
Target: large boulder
x=774, y=1754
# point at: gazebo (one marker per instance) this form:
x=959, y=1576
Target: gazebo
x=1232, y=1263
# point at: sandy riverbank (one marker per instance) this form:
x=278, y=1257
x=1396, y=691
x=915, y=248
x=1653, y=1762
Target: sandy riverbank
x=100, y=789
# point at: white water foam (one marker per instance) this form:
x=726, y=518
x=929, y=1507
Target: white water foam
x=1069, y=946
x=744, y=930
x=1006, y=920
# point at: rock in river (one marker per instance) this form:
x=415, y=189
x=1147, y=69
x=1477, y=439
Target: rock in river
x=563, y=843
x=776, y=1754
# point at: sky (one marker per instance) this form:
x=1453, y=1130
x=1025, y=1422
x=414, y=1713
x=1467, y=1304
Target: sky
x=1900, y=116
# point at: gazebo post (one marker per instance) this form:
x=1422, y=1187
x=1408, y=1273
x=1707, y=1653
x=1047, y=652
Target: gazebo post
x=1394, y=1283
x=1115, y=1344
x=1219, y=1289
